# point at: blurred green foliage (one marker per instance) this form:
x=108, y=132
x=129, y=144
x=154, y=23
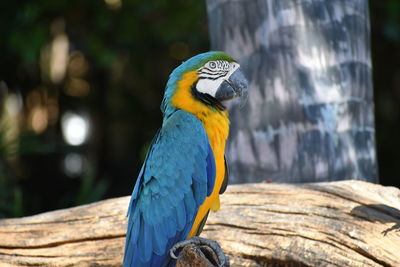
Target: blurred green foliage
x=119, y=56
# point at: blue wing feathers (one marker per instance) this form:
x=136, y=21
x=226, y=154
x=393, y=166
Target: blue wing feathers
x=178, y=174
x=146, y=241
x=159, y=239
x=190, y=204
x=181, y=215
x=171, y=225
x=199, y=189
x=211, y=171
x=134, y=229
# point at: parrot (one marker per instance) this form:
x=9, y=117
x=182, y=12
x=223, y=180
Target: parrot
x=185, y=169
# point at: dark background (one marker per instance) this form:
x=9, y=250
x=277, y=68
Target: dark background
x=108, y=61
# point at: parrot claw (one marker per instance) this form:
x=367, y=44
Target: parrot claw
x=211, y=247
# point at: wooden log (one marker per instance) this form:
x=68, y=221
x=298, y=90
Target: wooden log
x=350, y=223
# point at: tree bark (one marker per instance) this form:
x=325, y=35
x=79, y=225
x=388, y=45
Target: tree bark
x=348, y=223
x=310, y=116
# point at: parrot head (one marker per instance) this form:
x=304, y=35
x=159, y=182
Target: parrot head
x=204, y=83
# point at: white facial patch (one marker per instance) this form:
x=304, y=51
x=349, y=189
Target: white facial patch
x=213, y=74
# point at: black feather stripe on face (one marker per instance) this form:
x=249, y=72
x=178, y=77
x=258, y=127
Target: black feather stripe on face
x=207, y=99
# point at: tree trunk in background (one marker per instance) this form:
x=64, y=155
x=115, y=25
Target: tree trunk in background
x=310, y=112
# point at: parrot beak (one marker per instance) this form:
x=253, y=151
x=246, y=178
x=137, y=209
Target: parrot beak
x=235, y=86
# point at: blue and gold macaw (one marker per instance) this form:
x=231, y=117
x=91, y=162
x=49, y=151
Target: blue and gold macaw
x=185, y=168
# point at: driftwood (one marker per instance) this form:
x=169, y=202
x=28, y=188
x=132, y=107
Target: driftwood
x=349, y=223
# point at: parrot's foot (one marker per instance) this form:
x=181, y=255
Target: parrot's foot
x=211, y=250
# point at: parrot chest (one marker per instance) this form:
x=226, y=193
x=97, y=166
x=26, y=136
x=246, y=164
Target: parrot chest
x=217, y=129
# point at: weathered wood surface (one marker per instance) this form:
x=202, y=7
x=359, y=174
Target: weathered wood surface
x=349, y=223
x=310, y=115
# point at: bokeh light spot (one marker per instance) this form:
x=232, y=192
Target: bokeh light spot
x=75, y=128
x=73, y=164
x=77, y=87
x=113, y=4
x=38, y=119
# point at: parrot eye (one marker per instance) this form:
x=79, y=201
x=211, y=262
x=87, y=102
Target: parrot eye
x=212, y=65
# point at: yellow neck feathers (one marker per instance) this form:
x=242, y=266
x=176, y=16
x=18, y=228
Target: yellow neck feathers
x=216, y=122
